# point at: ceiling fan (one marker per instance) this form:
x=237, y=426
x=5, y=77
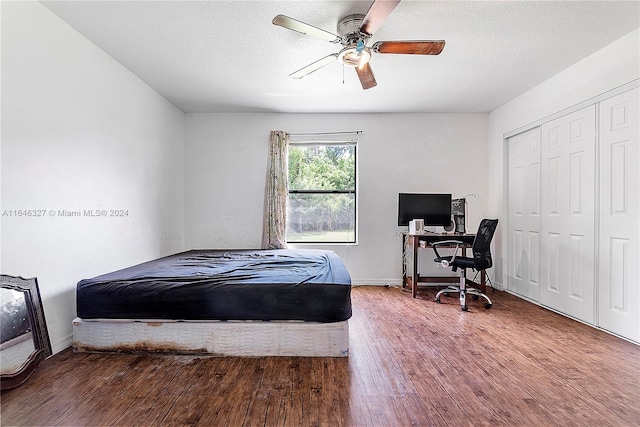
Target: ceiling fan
x=354, y=32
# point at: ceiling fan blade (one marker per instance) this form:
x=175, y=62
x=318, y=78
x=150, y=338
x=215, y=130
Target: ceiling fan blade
x=417, y=47
x=365, y=74
x=314, y=66
x=378, y=12
x=301, y=27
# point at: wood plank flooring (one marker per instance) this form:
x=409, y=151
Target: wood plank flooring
x=412, y=363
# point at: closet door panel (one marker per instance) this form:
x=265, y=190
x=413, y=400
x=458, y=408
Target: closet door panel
x=523, y=234
x=568, y=214
x=619, y=254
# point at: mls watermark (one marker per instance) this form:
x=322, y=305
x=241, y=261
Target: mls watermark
x=65, y=213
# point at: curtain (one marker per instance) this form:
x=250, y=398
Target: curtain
x=275, y=204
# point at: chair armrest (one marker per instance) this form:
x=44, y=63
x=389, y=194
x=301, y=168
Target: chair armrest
x=447, y=242
x=457, y=243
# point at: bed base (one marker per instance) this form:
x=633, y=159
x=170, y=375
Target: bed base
x=213, y=338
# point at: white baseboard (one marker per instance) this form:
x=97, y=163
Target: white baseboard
x=376, y=282
x=398, y=282
x=63, y=344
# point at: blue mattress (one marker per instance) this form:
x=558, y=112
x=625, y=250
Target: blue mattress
x=283, y=284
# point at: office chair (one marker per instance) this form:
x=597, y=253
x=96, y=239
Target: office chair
x=481, y=260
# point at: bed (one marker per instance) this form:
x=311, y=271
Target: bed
x=284, y=302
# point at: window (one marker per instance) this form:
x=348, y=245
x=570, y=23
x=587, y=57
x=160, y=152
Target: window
x=321, y=207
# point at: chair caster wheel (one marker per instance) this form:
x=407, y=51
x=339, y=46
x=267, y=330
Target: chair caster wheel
x=464, y=308
x=438, y=300
x=487, y=306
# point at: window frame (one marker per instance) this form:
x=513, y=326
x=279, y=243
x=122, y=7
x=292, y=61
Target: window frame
x=354, y=144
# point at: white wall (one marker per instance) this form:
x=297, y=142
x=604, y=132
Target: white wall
x=226, y=161
x=606, y=69
x=80, y=132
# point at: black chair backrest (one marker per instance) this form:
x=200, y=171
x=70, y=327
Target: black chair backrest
x=482, y=244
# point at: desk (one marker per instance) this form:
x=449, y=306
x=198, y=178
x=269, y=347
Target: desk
x=411, y=277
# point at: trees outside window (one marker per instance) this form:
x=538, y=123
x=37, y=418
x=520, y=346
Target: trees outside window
x=322, y=193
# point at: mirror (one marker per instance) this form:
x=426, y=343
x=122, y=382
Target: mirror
x=24, y=340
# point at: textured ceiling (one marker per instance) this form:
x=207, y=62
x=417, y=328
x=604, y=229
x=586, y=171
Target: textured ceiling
x=227, y=56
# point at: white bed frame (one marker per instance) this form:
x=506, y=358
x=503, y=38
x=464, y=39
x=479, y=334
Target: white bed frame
x=215, y=338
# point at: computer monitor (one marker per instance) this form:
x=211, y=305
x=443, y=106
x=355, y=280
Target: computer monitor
x=434, y=209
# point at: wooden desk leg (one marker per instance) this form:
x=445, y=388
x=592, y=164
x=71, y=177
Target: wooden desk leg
x=414, y=267
x=404, y=261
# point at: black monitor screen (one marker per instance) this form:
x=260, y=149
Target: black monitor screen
x=434, y=209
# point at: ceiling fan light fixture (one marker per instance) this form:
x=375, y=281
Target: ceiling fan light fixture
x=355, y=57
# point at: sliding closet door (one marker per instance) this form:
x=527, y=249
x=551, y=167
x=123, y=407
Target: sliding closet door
x=568, y=214
x=523, y=261
x=619, y=256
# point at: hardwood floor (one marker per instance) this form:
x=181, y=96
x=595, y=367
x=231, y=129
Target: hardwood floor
x=412, y=362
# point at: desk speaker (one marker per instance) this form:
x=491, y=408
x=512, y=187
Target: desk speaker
x=452, y=225
x=416, y=226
